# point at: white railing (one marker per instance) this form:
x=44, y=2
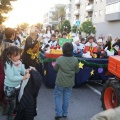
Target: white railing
x=77, y=1
x=89, y=7
x=77, y=12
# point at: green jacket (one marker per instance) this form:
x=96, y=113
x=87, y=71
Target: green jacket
x=66, y=68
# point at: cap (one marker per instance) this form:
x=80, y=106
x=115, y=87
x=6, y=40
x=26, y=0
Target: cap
x=99, y=40
x=75, y=39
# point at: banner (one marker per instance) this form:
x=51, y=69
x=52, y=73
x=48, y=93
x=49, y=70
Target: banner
x=63, y=40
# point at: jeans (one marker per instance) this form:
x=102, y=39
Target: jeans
x=10, y=93
x=61, y=109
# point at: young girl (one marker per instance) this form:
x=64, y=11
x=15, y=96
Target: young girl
x=14, y=73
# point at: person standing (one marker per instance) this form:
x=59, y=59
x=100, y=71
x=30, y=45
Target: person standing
x=31, y=50
x=66, y=67
x=14, y=74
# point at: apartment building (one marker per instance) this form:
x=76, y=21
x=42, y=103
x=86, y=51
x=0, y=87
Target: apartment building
x=49, y=20
x=105, y=15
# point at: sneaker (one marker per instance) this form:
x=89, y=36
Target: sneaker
x=64, y=116
x=57, y=117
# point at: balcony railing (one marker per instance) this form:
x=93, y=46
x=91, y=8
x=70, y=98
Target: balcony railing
x=77, y=2
x=77, y=12
x=89, y=7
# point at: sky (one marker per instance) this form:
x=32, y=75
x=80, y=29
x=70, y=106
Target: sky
x=30, y=11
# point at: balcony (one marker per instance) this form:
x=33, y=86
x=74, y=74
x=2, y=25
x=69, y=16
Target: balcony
x=89, y=8
x=112, y=17
x=77, y=12
x=77, y=2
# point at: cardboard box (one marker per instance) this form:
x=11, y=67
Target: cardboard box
x=114, y=65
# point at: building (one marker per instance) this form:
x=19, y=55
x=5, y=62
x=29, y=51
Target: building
x=105, y=15
x=49, y=20
x=68, y=12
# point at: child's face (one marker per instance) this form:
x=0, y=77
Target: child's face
x=53, y=38
x=91, y=41
x=83, y=42
x=77, y=42
x=65, y=36
x=15, y=58
x=99, y=43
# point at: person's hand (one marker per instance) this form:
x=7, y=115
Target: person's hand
x=78, y=51
x=39, y=39
x=32, y=68
x=27, y=71
x=27, y=76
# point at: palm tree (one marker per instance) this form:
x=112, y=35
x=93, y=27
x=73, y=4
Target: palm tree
x=59, y=13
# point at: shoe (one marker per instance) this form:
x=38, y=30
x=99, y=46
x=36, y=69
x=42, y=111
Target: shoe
x=64, y=116
x=57, y=117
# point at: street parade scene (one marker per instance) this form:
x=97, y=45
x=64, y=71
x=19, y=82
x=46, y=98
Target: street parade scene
x=59, y=60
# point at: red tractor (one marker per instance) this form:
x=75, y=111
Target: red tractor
x=110, y=95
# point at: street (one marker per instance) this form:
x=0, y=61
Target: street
x=85, y=102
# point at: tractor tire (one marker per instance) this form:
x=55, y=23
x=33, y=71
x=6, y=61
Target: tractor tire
x=110, y=95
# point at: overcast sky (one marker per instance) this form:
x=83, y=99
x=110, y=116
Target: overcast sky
x=30, y=11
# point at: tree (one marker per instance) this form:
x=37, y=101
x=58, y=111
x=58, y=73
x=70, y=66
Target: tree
x=5, y=7
x=87, y=27
x=66, y=27
x=39, y=25
x=74, y=28
x=59, y=13
x=24, y=25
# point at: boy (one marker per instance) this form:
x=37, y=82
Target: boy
x=77, y=48
x=66, y=67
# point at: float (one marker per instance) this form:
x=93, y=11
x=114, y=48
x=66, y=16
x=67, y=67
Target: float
x=90, y=68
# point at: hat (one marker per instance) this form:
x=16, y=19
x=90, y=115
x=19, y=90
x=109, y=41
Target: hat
x=73, y=34
x=75, y=39
x=99, y=40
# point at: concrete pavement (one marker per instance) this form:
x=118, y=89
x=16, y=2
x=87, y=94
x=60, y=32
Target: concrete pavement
x=84, y=104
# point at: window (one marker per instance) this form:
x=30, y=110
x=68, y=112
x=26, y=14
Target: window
x=100, y=12
x=101, y=0
x=95, y=14
x=96, y=1
x=113, y=8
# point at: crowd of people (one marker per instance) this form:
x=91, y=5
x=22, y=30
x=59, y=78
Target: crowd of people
x=19, y=54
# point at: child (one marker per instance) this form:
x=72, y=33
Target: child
x=14, y=74
x=66, y=67
x=82, y=44
x=100, y=49
x=91, y=48
x=64, y=35
x=52, y=43
x=77, y=50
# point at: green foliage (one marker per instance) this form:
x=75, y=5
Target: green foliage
x=74, y=29
x=24, y=25
x=5, y=7
x=87, y=27
x=39, y=25
x=66, y=27
x=59, y=13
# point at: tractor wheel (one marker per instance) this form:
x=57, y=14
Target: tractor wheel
x=110, y=95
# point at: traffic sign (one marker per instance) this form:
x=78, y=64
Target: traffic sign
x=77, y=23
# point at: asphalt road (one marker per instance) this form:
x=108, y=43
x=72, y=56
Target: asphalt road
x=84, y=103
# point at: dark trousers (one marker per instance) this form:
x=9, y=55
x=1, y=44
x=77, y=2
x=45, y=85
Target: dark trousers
x=10, y=93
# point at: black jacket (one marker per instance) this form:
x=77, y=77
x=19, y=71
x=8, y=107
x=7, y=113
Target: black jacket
x=27, y=105
x=26, y=58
